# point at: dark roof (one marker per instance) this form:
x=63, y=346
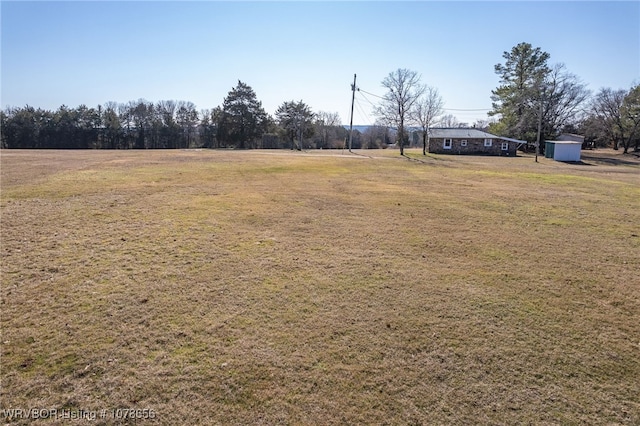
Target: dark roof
x=465, y=132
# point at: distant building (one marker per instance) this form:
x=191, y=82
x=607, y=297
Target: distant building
x=571, y=137
x=471, y=141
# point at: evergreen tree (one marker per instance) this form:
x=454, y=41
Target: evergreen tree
x=243, y=120
x=521, y=78
x=295, y=119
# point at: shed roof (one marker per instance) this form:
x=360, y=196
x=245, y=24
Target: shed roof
x=571, y=137
x=565, y=142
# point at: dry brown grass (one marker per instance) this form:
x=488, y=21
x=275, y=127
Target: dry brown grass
x=267, y=287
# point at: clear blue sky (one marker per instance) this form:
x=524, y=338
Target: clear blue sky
x=87, y=52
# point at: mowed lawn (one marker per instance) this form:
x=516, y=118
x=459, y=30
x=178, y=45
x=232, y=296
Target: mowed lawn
x=276, y=287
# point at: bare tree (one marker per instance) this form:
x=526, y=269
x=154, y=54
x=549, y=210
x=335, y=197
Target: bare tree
x=617, y=113
x=375, y=136
x=325, y=122
x=187, y=119
x=564, y=95
x=449, y=120
x=329, y=118
x=167, y=112
x=427, y=108
x=403, y=90
x=606, y=107
x=481, y=124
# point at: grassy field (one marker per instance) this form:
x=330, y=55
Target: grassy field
x=273, y=287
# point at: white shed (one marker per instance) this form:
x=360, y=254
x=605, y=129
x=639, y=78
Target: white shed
x=563, y=150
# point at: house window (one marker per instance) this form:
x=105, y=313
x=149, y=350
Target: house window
x=505, y=146
x=463, y=142
x=488, y=142
x=447, y=144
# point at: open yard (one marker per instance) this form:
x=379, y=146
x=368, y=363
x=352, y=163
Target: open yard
x=277, y=287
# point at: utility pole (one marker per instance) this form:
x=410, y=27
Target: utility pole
x=353, y=98
x=539, y=129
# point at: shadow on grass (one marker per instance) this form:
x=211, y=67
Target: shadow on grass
x=360, y=155
x=428, y=159
x=607, y=160
x=577, y=163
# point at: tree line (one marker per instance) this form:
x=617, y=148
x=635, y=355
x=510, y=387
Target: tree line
x=535, y=101
x=240, y=122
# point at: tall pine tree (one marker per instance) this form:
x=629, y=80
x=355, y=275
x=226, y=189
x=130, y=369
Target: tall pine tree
x=521, y=77
x=243, y=120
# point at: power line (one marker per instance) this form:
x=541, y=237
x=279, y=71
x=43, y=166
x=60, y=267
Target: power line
x=361, y=111
x=446, y=109
x=477, y=109
x=360, y=90
x=367, y=99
